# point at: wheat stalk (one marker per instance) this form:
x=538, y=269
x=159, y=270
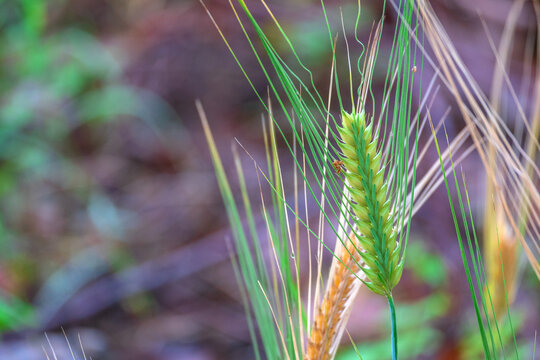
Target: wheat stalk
x=373, y=251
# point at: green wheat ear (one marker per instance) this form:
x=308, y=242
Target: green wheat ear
x=366, y=183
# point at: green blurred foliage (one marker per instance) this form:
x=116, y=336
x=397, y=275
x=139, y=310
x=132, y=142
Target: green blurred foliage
x=54, y=79
x=471, y=343
x=426, y=266
x=15, y=313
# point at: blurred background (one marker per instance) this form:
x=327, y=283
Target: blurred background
x=112, y=226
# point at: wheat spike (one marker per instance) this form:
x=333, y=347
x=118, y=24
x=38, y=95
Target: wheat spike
x=379, y=250
x=333, y=310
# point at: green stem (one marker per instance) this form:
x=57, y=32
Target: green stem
x=394, y=326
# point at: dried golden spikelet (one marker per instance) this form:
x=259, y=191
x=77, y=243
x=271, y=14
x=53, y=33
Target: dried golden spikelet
x=332, y=312
x=502, y=251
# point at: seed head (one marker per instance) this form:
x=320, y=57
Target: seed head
x=366, y=183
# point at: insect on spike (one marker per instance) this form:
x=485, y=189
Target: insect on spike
x=338, y=166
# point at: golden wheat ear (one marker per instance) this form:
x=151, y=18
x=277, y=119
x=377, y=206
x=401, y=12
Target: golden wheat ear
x=501, y=254
x=334, y=310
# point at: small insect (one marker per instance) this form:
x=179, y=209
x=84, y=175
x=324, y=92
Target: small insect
x=414, y=69
x=337, y=164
